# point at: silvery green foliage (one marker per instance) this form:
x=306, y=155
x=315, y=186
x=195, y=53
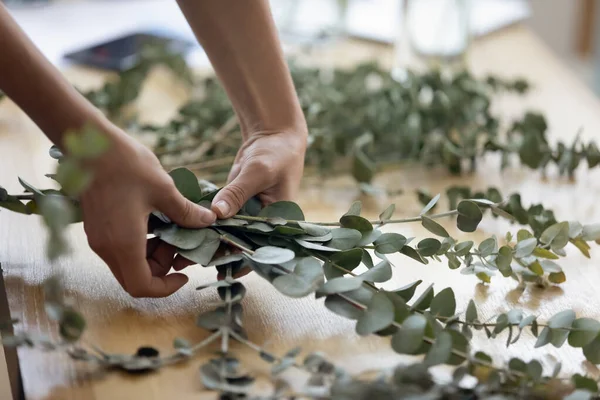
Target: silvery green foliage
x=303, y=258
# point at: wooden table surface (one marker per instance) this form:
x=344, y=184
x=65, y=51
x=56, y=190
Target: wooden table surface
x=119, y=323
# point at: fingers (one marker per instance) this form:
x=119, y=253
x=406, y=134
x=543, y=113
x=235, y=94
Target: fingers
x=161, y=258
x=251, y=180
x=180, y=263
x=183, y=212
x=124, y=250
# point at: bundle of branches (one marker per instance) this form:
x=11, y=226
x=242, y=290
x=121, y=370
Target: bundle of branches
x=359, y=119
x=344, y=262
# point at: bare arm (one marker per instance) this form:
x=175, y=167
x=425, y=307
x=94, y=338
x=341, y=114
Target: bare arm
x=37, y=87
x=128, y=183
x=241, y=41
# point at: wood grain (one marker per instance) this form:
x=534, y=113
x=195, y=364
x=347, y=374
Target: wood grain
x=119, y=323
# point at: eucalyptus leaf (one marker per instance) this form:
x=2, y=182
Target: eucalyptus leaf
x=344, y=239
x=185, y=239
x=387, y=214
x=429, y=247
x=409, y=338
x=283, y=209
x=382, y=272
x=430, y=205
x=272, y=255
x=187, y=184
x=469, y=216
x=408, y=291
x=443, y=304
x=340, y=285
x=433, y=227
x=356, y=222
x=315, y=246
x=378, y=315
x=306, y=278
x=342, y=307
x=314, y=230
x=204, y=253
x=525, y=247
x=583, y=332
x=389, y=243
x=440, y=351
x=591, y=232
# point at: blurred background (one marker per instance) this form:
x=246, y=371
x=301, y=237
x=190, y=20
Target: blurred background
x=568, y=27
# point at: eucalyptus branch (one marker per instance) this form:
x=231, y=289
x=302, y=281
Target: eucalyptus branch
x=332, y=223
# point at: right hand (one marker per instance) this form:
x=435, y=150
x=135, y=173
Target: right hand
x=128, y=184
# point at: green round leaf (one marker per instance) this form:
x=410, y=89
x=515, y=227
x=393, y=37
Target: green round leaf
x=314, y=230
x=378, y=315
x=204, y=253
x=182, y=238
x=342, y=307
x=429, y=247
x=72, y=325
x=306, y=278
x=583, y=332
x=187, y=184
x=344, y=239
x=356, y=222
x=340, y=285
x=283, y=209
x=591, y=351
x=382, y=272
x=525, y=247
x=389, y=243
x=409, y=338
x=469, y=216
x=441, y=349
x=443, y=304
x=272, y=255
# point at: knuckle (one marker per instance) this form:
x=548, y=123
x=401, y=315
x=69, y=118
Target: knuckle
x=237, y=194
x=186, y=210
x=265, y=166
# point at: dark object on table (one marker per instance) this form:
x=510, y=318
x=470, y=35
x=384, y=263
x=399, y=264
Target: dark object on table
x=123, y=53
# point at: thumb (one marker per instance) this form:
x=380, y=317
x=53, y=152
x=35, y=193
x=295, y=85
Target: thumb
x=233, y=196
x=183, y=212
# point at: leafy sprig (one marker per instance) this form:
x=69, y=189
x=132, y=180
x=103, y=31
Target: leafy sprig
x=301, y=258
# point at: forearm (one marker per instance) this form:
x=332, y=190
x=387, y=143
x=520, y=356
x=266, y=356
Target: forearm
x=37, y=87
x=241, y=41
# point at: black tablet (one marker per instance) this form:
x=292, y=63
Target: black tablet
x=122, y=53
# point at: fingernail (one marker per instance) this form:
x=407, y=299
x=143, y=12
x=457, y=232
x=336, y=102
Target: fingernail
x=223, y=207
x=209, y=217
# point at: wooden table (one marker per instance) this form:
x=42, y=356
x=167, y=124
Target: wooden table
x=119, y=323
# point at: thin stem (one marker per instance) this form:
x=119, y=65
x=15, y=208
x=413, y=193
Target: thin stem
x=257, y=348
x=175, y=358
x=24, y=196
x=206, y=145
x=233, y=243
x=432, y=341
x=205, y=342
x=342, y=269
x=393, y=221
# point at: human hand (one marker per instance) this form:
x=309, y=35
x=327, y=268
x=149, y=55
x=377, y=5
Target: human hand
x=128, y=184
x=269, y=165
